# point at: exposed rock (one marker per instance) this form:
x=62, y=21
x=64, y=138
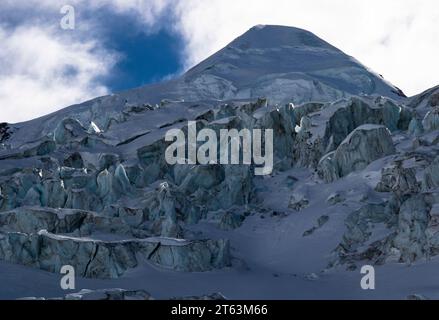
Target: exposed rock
x=131, y=109
x=4, y=132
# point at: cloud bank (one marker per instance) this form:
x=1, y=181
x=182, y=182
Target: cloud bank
x=40, y=73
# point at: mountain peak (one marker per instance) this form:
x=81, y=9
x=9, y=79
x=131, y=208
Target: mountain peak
x=282, y=64
x=275, y=36
x=279, y=63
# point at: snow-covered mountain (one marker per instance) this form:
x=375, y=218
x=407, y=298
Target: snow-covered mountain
x=282, y=64
x=355, y=182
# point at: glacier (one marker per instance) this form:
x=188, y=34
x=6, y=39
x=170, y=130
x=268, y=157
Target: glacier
x=355, y=182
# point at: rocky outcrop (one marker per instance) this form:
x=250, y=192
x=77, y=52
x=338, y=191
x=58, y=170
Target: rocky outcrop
x=4, y=132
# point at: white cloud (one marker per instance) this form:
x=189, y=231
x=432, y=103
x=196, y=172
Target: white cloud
x=43, y=69
x=41, y=72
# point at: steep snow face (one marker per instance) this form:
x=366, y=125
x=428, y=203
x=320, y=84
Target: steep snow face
x=282, y=64
x=286, y=64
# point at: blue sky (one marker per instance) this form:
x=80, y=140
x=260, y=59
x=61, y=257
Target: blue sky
x=143, y=56
x=121, y=44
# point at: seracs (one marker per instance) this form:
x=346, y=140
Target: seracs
x=249, y=141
